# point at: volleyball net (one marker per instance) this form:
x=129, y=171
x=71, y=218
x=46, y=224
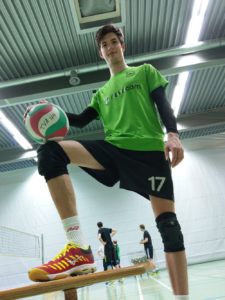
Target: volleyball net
x=21, y=244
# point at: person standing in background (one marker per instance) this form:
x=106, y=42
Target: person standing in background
x=105, y=237
x=147, y=242
x=117, y=253
x=101, y=254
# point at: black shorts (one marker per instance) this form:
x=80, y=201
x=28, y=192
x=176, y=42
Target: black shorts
x=144, y=172
x=110, y=256
x=149, y=252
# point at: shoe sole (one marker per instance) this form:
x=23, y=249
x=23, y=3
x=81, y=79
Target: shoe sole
x=36, y=275
x=84, y=271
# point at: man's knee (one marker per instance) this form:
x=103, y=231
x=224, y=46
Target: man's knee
x=170, y=231
x=52, y=160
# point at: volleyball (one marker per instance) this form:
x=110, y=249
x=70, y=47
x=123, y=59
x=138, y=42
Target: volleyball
x=46, y=121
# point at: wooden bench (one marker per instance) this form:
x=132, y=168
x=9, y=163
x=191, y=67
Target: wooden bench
x=71, y=284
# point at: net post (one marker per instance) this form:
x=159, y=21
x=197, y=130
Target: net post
x=42, y=248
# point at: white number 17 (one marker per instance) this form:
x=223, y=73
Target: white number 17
x=157, y=182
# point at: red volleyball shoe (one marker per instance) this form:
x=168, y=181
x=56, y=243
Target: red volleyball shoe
x=71, y=260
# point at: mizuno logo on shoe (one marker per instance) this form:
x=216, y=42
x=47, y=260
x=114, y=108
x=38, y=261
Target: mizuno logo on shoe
x=77, y=259
x=72, y=262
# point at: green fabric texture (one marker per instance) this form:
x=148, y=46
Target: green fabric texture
x=117, y=251
x=128, y=113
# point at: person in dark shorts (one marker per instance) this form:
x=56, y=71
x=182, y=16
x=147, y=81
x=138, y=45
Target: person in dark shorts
x=117, y=253
x=105, y=237
x=132, y=106
x=117, y=256
x=147, y=242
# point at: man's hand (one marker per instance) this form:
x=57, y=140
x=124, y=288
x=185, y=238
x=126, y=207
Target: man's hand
x=174, y=146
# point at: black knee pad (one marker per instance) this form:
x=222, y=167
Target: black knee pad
x=170, y=231
x=52, y=160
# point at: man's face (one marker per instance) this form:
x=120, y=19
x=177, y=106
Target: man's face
x=111, y=50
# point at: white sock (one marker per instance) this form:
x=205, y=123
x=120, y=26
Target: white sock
x=73, y=231
x=181, y=297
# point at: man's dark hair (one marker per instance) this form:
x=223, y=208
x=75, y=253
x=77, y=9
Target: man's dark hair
x=100, y=224
x=142, y=226
x=107, y=29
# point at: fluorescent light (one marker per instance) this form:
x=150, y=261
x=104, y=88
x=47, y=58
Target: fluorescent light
x=30, y=154
x=185, y=60
x=196, y=21
x=14, y=132
x=179, y=92
x=192, y=37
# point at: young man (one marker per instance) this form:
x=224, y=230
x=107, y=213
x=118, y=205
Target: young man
x=147, y=242
x=132, y=153
x=105, y=237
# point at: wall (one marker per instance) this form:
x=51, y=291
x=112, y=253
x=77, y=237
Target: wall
x=200, y=202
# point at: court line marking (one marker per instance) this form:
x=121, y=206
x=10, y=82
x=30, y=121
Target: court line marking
x=139, y=290
x=161, y=283
x=220, y=297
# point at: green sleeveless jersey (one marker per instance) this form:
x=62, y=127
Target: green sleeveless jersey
x=128, y=113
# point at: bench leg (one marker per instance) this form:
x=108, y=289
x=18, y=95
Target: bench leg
x=70, y=294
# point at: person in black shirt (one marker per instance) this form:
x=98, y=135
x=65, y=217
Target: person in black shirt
x=147, y=242
x=105, y=237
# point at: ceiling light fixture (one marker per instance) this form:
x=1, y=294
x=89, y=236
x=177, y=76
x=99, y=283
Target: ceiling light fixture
x=179, y=92
x=193, y=33
x=21, y=140
x=195, y=24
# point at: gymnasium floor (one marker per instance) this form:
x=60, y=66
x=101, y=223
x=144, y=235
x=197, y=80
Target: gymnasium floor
x=207, y=282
